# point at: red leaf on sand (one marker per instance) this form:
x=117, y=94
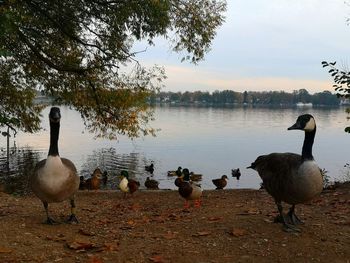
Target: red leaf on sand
x=79, y=245
x=237, y=232
x=157, y=259
x=5, y=250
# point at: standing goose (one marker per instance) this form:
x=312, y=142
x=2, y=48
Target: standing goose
x=55, y=179
x=290, y=177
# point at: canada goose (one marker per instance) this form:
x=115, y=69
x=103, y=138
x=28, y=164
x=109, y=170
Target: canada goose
x=220, y=183
x=127, y=185
x=151, y=183
x=150, y=168
x=178, y=172
x=236, y=173
x=290, y=177
x=189, y=190
x=55, y=179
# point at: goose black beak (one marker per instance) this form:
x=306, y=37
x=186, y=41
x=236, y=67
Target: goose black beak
x=295, y=126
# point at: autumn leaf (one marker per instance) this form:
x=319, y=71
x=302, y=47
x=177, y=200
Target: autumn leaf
x=157, y=259
x=215, y=218
x=85, y=233
x=95, y=260
x=79, y=245
x=237, y=232
x=5, y=250
x=170, y=235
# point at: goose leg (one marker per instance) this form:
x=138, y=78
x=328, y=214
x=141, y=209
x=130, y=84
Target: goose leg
x=49, y=220
x=286, y=226
x=72, y=218
x=293, y=217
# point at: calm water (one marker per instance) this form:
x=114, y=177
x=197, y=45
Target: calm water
x=210, y=141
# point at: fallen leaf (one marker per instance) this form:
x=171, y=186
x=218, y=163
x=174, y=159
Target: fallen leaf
x=237, y=232
x=202, y=234
x=79, y=245
x=157, y=259
x=170, y=235
x=215, y=218
x=95, y=260
x=5, y=250
x=111, y=246
x=85, y=233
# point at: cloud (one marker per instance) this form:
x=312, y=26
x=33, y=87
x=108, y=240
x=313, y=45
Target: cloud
x=195, y=78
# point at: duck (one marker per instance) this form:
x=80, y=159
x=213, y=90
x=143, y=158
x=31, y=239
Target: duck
x=127, y=185
x=195, y=177
x=236, y=173
x=150, y=168
x=95, y=180
x=177, y=172
x=220, y=183
x=189, y=190
x=55, y=179
x=292, y=178
x=82, y=183
x=104, y=178
x=151, y=183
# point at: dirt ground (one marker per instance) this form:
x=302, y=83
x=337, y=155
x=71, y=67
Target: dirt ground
x=152, y=226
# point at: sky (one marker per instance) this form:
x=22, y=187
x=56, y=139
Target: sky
x=264, y=45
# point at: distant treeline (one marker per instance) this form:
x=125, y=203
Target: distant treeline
x=282, y=98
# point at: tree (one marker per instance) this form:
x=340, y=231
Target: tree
x=83, y=53
x=341, y=82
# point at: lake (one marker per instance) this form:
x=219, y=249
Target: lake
x=210, y=141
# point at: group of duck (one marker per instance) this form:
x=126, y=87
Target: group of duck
x=287, y=177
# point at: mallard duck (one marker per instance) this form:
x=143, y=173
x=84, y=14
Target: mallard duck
x=195, y=177
x=189, y=190
x=150, y=168
x=127, y=185
x=178, y=172
x=55, y=179
x=151, y=183
x=236, y=173
x=220, y=183
x=290, y=177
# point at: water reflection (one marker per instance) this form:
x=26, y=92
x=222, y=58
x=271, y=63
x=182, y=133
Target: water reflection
x=107, y=159
x=14, y=177
x=210, y=141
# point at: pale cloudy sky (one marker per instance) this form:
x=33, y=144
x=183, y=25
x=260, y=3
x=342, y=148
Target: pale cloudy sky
x=265, y=45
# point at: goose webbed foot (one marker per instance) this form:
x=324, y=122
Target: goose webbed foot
x=286, y=220
x=72, y=219
x=50, y=221
x=293, y=218
x=290, y=228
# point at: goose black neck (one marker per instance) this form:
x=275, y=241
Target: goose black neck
x=307, y=146
x=54, y=133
